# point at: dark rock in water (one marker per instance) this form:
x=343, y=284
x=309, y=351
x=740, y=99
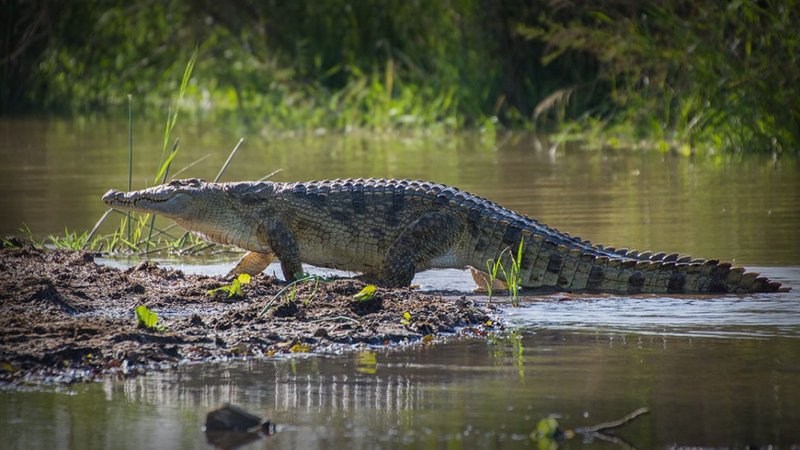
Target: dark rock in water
x=230, y=427
x=233, y=418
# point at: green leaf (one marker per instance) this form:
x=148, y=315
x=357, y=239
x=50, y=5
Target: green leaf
x=244, y=278
x=147, y=318
x=366, y=294
x=233, y=289
x=406, y=320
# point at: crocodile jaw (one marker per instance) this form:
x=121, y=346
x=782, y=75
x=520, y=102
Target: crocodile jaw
x=201, y=208
x=167, y=202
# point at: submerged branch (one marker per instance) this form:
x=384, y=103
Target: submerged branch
x=614, y=424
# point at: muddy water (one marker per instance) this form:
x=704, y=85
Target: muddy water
x=712, y=392
x=715, y=371
x=745, y=209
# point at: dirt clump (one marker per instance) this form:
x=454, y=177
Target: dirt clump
x=65, y=318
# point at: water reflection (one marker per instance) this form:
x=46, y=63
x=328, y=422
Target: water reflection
x=463, y=394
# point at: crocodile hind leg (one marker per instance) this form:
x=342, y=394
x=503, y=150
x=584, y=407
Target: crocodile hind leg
x=252, y=263
x=429, y=237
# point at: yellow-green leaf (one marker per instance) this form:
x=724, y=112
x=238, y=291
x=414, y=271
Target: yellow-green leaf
x=300, y=348
x=366, y=294
x=146, y=318
x=244, y=278
x=235, y=288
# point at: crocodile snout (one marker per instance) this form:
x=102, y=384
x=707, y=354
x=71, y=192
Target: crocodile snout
x=111, y=195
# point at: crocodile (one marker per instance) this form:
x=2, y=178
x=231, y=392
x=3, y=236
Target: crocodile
x=391, y=229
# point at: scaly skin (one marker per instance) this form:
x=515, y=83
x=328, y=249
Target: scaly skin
x=391, y=229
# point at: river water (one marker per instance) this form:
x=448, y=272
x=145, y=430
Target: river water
x=714, y=371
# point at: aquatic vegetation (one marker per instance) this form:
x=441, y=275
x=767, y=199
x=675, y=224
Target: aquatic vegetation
x=549, y=432
x=511, y=276
x=492, y=267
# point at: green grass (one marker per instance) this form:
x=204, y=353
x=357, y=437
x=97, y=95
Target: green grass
x=137, y=233
x=71, y=240
x=510, y=276
x=492, y=268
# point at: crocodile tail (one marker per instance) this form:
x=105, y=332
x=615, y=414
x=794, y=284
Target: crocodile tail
x=633, y=272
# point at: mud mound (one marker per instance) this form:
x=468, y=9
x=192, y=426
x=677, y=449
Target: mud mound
x=64, y=318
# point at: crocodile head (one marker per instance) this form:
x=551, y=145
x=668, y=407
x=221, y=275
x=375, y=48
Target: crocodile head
x=215, y=211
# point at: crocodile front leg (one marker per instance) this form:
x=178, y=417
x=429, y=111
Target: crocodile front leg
x=429, y=237
x=282, y=242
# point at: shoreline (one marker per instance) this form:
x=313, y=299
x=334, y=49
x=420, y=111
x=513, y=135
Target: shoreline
x=66, y=319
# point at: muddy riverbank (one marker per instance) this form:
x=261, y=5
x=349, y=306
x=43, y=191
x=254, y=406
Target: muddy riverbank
x=65, y=318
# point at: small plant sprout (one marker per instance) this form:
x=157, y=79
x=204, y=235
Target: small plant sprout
x=234, y=289
x=148, y=319
x=293, y=287
x=366, y=294
x=513, y=275
x=492, y=266
x=70, y=241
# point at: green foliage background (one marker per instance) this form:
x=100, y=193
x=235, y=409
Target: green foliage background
x=675, y=73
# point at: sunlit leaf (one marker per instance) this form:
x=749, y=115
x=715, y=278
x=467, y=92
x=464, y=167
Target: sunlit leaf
x=300, y=348
x=366, y=294
x=244, y=278
x=147, y=319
